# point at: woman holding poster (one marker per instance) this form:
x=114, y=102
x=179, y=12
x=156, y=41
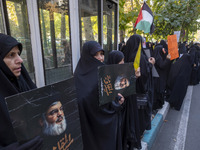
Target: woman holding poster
x=14, y=79
x=130, y=120
x=99, y=124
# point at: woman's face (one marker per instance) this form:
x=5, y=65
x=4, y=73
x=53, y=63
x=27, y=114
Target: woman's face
x=149, y=44
x=122, y=61
x=14, y=61
x=99, y=56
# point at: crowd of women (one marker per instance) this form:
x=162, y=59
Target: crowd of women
x=120, y=124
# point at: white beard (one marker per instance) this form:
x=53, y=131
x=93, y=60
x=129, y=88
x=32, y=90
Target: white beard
x=54, y=129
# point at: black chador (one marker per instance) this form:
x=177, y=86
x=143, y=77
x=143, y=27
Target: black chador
x=178, y=80
x=115, y=57
x=98, y=124
x=162, y=66
x=10, y=85
x=137, y=120
x=194, y=52
x=182, y=49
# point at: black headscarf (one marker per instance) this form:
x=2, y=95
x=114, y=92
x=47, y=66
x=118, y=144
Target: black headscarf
x=132, y=47
x=130, y=53
x=194, y=53
x=182, y=49
x=98, y=124
x=164, y=44
x=158, y=52
x=147, y=45
x=115, y=57
x=10, y=85
x=150, y=47
x=87, y=62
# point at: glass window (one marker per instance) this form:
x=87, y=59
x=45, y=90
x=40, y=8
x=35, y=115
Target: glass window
x=19, y=28
x=57, y=55
x=2, y=29
x=109, y=21
x=89, y=20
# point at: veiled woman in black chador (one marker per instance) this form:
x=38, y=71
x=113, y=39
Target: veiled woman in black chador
x=14, y=79
x=194, y=51
x=99, y=124
x=178, y=80
x=162, y=66
x=137, y=122
x=117, y=57
x=149, y=46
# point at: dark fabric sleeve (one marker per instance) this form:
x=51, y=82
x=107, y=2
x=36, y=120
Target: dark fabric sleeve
x=112, y=107
x=34, y=144
x=162, y=64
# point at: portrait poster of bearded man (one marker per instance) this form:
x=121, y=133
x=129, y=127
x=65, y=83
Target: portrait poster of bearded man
x=50, y=112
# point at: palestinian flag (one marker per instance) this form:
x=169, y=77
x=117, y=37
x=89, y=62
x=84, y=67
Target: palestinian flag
x=145, y=20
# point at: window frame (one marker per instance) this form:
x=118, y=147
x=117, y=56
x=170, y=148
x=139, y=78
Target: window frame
x=74, y=25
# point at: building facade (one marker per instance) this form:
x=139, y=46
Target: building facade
x=53, y=31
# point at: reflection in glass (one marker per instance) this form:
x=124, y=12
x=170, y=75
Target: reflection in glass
x=19, y=29
x=2, y=30
x=54, y=23
x=89, y=20
x=108, y=26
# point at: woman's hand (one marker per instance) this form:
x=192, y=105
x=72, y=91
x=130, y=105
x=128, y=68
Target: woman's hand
x=137, y=73
x=152, y=60
x=121, y=100
x=168, y=56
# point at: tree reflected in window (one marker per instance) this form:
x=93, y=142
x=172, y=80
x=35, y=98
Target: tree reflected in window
x=89, y=20
x=54, y=23
x=19, y=29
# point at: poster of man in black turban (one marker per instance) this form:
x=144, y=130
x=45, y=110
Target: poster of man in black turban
x=114, y=79
x=50, y=112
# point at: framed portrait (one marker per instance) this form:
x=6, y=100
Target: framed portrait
x=114, y=79
x=50, y=112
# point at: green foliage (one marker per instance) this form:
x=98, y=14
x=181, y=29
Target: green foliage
x=175, y=15
x=169, y=16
